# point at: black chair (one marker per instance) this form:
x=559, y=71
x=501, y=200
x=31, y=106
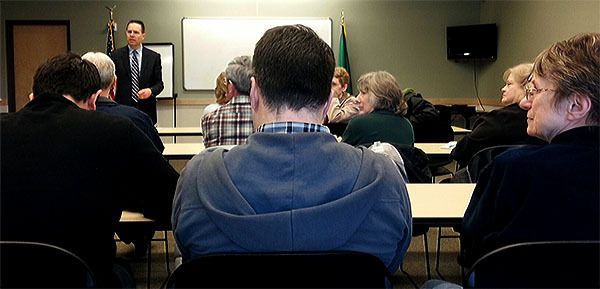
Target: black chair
x=39, y=265
x=483, y=158
x=416, y=164
x=441, y=131
x=281, y=270
x=548, y=264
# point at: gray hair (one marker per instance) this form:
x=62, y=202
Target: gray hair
x=105, y=66
x=239, y=71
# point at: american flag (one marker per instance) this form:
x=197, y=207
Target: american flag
x=110, y=38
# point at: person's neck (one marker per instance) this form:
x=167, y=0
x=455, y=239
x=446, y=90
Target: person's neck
x=344, y=96
x=81, y=104
x=135, y=48
x=285, y=115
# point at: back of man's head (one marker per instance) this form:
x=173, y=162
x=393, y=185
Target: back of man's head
x=293, y=68
x=239, y=72
x=105, y=66
x=67, y=74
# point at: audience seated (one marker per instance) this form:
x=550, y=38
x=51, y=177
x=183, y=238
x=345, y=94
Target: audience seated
x=106, y=68
x=221, y=95
x=67, y=172
x=547, y=192
x=382, y=109
x=292, y=187
x=231, y=124
x=505, y=126
x=343, y=105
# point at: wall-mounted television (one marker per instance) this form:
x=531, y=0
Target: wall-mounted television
x=477, y=42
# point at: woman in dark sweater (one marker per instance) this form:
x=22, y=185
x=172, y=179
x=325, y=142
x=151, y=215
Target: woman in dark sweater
x=381, y=115
x=505, y=126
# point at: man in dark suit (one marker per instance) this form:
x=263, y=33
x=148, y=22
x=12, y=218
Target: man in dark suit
x=67, y=172
x=138, y=89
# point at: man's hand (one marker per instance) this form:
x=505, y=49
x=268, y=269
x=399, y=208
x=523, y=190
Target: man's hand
x=144, y=93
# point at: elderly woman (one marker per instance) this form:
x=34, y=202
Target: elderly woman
x=505, y=126
x=381, y=112
x=547, y=192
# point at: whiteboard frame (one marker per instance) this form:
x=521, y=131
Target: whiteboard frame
x=202, y=61
x=167, y=61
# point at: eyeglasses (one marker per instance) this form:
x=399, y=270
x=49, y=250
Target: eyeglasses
x=531, y=92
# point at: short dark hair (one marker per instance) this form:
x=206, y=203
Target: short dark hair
x=140, y=22
x=293, y=68
x=67, y=74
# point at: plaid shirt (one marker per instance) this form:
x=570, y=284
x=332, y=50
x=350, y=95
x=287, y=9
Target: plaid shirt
x=291, y=127
x=230, y=124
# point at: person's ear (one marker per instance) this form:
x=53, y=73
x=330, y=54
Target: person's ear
x=328, y=104
x=230, y=89
x=255, y=94
x=91, y=101
x=578, y=107
x=345, y=87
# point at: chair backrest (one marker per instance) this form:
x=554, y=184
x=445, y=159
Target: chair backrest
x=439, y=130
x=483, y=158
x=415, y=162
x=548, y=264
x=39, y=265
x=281, y=270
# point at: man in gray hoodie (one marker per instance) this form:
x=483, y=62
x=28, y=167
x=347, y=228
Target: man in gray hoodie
x=292, y=186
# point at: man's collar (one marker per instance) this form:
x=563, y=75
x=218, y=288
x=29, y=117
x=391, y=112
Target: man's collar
x=290, y=127
x=138, y=50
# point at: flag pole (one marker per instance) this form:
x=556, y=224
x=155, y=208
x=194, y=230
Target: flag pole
x=343, y=59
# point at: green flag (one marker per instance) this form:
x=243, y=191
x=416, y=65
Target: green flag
x=343, y=60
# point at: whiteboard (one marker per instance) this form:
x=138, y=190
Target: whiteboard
x=210, y=43
x=166, y=51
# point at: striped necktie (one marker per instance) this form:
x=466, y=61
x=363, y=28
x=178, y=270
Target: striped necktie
x=135, y=73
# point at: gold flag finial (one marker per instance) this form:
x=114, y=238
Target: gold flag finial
x=342, y=17
x=110, y=11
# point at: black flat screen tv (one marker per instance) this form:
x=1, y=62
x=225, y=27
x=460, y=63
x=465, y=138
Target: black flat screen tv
x=472, y=42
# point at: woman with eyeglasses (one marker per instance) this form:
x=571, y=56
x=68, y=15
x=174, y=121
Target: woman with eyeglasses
x=548, y=192
x=504, y=126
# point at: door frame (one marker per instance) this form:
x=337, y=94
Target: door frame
x=10, y=53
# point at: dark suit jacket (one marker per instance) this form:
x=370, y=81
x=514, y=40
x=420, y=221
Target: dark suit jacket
x=67, y=173
x=139, y=118
x=536, y=193
x=150, y=77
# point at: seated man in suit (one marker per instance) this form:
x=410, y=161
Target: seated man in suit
x=231, y=123
x=106, y=67
x=108, y=80
x=546, y=192
x=292, y=187
x=67, y=172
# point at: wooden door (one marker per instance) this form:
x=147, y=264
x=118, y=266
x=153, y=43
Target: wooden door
x=29, y=44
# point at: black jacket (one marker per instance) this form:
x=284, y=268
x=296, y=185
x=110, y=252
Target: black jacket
x=67, y=173
x=504, y=126
x=150, y=77
x=536, y=193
